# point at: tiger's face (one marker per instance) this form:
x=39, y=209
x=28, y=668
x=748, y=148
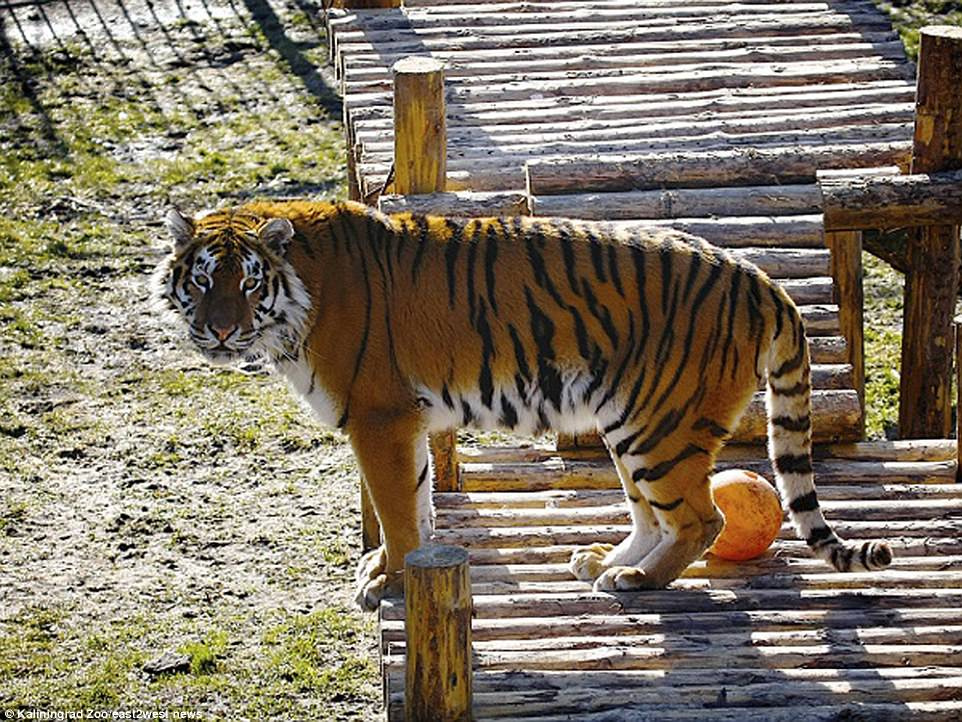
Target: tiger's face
x=228, y=279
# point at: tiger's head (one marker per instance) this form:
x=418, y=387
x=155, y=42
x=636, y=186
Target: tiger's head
x=229, y=279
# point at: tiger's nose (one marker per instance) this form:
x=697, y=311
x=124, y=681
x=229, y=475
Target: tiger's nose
x=223, y=333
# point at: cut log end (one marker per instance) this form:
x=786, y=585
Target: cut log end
x=436, y=556
x=417, y=65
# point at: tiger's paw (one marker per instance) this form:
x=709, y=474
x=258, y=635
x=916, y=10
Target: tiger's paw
x=372, y=591
x=371, y=566
x=587, y=563
x=623, y=579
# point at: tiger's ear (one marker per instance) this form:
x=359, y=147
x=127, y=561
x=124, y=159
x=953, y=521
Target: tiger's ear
x=276, y=234
x=180, y=227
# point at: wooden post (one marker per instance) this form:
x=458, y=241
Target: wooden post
x=420, y=166
x=370, y=527
x=420, y=136
x=437, y=601
x=846, y=248
x=932, y=282
x=958, y=399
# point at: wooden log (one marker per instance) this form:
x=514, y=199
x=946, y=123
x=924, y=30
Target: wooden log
x=488, y=171
x=673, y=79
x=374, y=111
x=561, y=553
x=671, y=600
x=559, y=474
x=801, y=231
x=474, y=63
x=466, y=66
x=902, y=711
x=600, y=130
x=485, y=630
x=693, y=654
x=737, y=166
x=680, y=679
x=892, y=201
x=520, y=17
x=904, y=450
x=494, y=687
x=632, y=130
x=925, y=405
x=846, y=249
x=681, y=202
x=617, y=513
x=402, y=39
x=485, y=156
x=420, y=159
x=469, y=204
x=583, y=535
x=901, y=450
x=701, y=76
x=438, y=628
x=838, y=495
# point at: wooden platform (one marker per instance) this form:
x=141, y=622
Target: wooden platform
x=543, y=79
x=781, y=638
x=712, y=117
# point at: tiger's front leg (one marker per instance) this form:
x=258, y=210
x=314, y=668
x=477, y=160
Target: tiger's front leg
x=392, y=456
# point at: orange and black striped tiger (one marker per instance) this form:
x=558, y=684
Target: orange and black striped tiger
x=395, y=326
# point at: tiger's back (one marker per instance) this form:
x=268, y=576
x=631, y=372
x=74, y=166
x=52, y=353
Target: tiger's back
x=655, y=338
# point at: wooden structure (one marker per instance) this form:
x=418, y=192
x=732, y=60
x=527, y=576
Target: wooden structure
x=741, y=123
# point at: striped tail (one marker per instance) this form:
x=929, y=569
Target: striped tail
x=790, y=448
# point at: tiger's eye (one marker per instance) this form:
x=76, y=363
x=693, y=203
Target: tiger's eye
x=251, y=284
x=202, y=282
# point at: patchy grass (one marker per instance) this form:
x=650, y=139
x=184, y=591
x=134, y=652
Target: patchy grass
x=173, y=508
x=910, y=16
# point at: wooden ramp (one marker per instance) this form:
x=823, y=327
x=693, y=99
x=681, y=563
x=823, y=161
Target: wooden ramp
x=712, y=117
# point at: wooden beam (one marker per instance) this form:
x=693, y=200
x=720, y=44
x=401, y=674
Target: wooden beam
x=438, y=608
x=420, y=166
x=892, y=201
x=846, y=248
x=925, y=404
x=744, y=166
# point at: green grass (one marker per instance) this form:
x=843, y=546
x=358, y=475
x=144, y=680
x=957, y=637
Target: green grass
x=909, y=16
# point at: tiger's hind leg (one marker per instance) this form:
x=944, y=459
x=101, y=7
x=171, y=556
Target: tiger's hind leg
x=673, y=480
x=588, y=563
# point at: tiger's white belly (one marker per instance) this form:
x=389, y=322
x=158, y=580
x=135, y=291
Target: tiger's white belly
x=301, y=378
x=510, y=411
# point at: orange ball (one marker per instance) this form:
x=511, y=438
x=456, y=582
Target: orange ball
x=753, y=514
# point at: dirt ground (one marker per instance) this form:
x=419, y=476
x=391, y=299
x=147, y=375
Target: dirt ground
x=172, y=536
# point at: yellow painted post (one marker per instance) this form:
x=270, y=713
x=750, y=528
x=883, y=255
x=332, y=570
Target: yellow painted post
x=420, y=166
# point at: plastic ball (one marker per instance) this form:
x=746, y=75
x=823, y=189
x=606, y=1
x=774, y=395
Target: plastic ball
x=753, y=514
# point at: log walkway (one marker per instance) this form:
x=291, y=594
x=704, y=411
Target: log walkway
x=719, y=118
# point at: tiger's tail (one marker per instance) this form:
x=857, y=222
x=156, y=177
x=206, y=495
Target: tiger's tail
x=790, y=448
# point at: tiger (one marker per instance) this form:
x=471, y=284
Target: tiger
x=391, y=327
